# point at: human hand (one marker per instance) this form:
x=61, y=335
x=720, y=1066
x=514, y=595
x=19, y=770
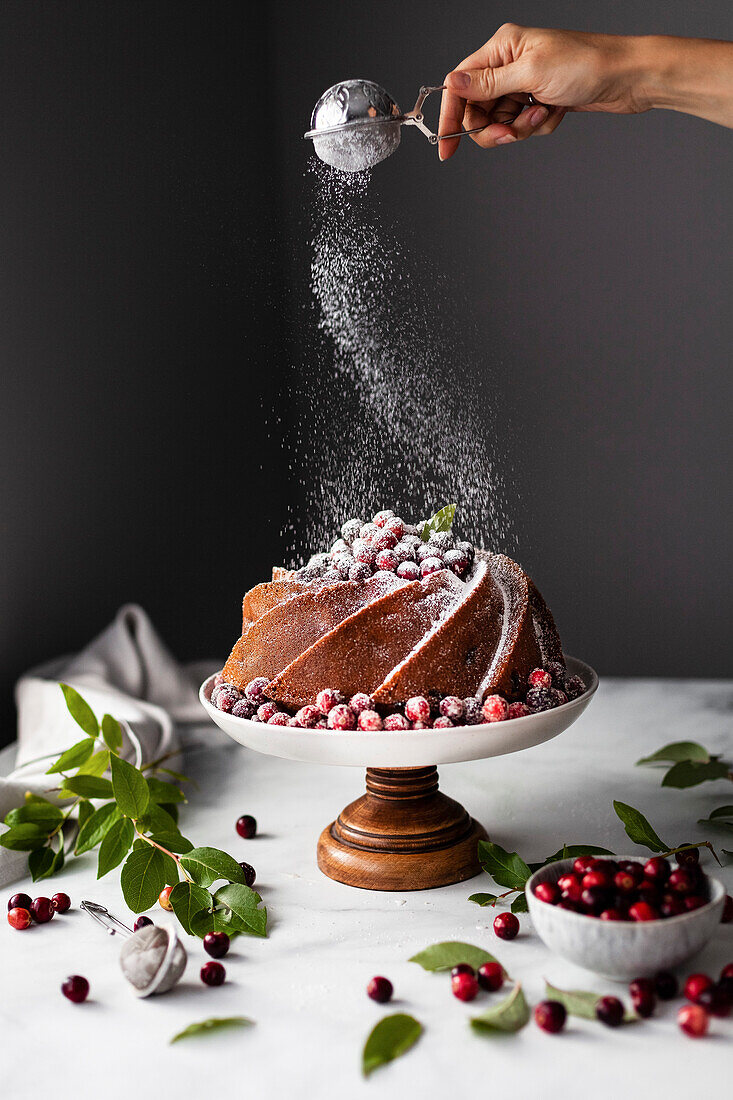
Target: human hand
x=562, y=70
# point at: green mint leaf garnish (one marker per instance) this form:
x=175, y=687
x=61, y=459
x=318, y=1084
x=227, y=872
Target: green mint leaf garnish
x=638, y=828
x=442, y=520
x=80, y=711
x=512, y=1014
x=215, y=1023
x=444, y=956
x=392, y=1037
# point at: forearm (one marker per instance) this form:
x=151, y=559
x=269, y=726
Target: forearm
x=691, y=75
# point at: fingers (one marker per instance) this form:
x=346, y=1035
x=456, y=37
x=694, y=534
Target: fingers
x=481, y=85
x=452, y=109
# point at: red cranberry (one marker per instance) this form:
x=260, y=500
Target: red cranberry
x=539, y=699
x=610, y=1011
x=666, y=985
x=715, y=1001
x=624, y=882
x=216, y=944
x=42, y=910
x=364, y=553
x=226, y=699
x=164, y=899
x=490, y=976
x=452, y=707
x=727, y=972
x=649, y=893
x=396, y=722
x=75, y=989
x=506, y=926
x=381, y=518
x=408, y=571
x=380, y=990
x=213, y=973
x=695, y=985
x=727, y=914
x=396, y=526
x=464, y=986
x=547, y=891
x=611, y=914
x=246, y=826
x=359, y=571
x=643, y=996
x=462, y=968
x=341, y=717
x=443, y=723
x=631, y=867
x=583, y=864
x=679, y=882
x=361, y=702
x=244, y=708
x=642, y=911
x=672, y=906
x=550, y=1016
x=597, y=878
x=420, y=726
x=657, y=870
x=280, y=718
x=249, y=873
x=385, y=540
x=255, y=689
x=368, y=531
x=19, y=918
x=19, y=901
x=472, y=711
x=266, y=710
x=457, y=562
x=594, y=899
x=539, y=678
x=417, y=709
x=370, y=720
x=573, y=687
x=387, y=560
x=570, y=887
x=571, y=906
x=518, y=710
x=695, y=901
x=559, y=696
x=495, y=709
x=141, y=922
x=690, y=857
x=430, y=565
x=693, y=1020
x=308, y=716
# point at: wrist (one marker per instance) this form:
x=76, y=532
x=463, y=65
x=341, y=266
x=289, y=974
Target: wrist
x=681, y=74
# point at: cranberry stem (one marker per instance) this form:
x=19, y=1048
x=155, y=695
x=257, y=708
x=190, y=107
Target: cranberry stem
x=688, y=847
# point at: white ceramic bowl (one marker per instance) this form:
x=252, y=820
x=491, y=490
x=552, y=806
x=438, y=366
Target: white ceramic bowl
x=621, y=950
x=405, y=748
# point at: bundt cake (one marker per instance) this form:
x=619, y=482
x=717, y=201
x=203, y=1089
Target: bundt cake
x=392, y=613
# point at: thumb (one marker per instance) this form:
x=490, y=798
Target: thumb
x=478, y=85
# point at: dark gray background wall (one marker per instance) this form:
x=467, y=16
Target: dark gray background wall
x=154, y=296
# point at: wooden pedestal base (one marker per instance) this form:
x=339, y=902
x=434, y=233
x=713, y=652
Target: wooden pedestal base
x=403, y=834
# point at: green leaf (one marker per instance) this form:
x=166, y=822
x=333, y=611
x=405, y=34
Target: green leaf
x=676, y=751
x=221, y=920
x=40, y=863
x=161, y=792
x=80, y=711
x=88, y=786
x=444, y=956
x=688, y=773
x=175, y=775
x=174, y=842
x=115, y=846
x=442, y=520
x=722, y=811
x=130, y=788
x=243, y=902
x=96, y=827
x=111, y=732
x=187, y=900
x=157, y=820
x=43, y=814
x=85, y=811
x=506, y=868
x=579, y=1003
x=206, y=865
x=171, y=808
x=215, y=1023
x=519, y=905
x=97, y=764
x=24, y=838
x=74, y=757
x=638, y=828
x=144, y=874
x=392, y=1037
x=511, y=1014
x=484, y=899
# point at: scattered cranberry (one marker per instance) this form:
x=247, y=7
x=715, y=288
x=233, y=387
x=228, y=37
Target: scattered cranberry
x=396, y=722
x=695, y=985
x=244, y=708
x=246, y=826
x=19, y=918
x=430, y=565
x=643, y=996
x=75, y=989
x=518, y=710
x=495, y=709
x=506, y=926
x=547, y=891
x=540, y=678
x=656, y=870
x=539, y=699
x=693, y=1020
x=490, y=976
x=42, y=910
x=666, y=985
x=380, y=990
x=19, y=901
x=550, y=1016
x=715, y=1000
x=216, y=944
x=451, y=707
x=249, y=873
x=361, y=702
x=462, y=968
x=417, y=709
x=464, y=986
x=408, y=571
x=280, y=718
x=255, y=689
x=164, y=899
x=308, y=716
x=341, y=717
x=727, y=915
x=610, y=1011
x=690, y=857
x=213, y=973
x=141, y=922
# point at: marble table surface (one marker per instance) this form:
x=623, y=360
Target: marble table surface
x=304, y=985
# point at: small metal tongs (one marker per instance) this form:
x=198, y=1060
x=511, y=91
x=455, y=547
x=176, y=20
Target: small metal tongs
x=153, y=958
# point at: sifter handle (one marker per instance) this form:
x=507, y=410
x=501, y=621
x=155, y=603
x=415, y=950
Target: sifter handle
x=415, y=117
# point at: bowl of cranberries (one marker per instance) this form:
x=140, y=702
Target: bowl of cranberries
x=625, y=916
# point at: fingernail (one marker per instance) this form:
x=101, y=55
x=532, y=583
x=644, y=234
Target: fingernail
x=460, y=81
x=506, y=139
x=538, y=115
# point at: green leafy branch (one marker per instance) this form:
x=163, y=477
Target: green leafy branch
x=135, y=825
x=442, y=520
